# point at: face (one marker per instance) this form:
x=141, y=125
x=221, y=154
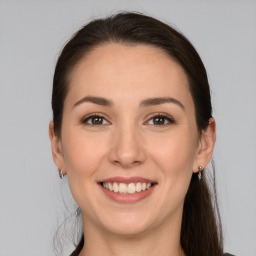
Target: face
x=129, y=142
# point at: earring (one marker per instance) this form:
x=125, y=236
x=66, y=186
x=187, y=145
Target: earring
x=200, y=169
x=61, y=174
x=78, y=211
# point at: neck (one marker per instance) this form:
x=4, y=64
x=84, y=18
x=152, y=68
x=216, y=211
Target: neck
x=164, y=241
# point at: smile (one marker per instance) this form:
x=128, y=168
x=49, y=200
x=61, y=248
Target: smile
x=130, y=188
x=127, y=190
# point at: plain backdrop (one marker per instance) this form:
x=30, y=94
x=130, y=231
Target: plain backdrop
x=31, y=36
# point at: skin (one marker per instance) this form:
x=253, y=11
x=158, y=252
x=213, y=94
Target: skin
x=129, y=143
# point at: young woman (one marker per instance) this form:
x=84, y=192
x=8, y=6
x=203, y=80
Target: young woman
x=133, y=131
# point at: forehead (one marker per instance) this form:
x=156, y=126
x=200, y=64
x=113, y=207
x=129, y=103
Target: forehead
x=128, y=70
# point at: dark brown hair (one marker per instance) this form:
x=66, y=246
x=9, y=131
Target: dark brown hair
x=201, y=233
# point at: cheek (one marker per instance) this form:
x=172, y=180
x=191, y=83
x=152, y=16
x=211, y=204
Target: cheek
x=175, y=153
x=174, y=157
x=82, y=152
x=83, y=156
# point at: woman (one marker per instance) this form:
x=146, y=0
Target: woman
x=133, y=130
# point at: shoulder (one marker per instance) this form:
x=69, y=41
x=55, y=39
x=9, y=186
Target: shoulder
x=79, y=247
x=75, y=253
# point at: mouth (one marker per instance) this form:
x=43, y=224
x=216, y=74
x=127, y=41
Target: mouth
x=127, y=188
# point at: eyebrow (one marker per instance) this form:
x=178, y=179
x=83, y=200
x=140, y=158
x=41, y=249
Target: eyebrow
x=159, y=101
x=145, y=103
x=96, y=100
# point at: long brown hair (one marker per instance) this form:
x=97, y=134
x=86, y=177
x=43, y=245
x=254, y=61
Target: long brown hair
x=201, y=233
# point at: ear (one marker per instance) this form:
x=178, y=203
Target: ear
x=57, y=152
x=205, y=146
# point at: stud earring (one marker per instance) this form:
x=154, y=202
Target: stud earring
x=61, y=174
x=200, y=169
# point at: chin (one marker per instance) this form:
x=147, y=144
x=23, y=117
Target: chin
x=128, y=224
x=128, y=230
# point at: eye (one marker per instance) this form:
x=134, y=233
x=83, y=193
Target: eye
x=94, y=119
x=160, y=120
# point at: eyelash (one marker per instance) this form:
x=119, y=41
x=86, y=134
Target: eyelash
x=90, y=117
x=164, y=116
x=158, y=115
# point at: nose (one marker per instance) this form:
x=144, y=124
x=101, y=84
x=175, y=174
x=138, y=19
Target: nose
x=127, y=148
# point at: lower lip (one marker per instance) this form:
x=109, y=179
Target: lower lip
x=128, y=198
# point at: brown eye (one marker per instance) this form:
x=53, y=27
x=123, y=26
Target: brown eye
x=160, y=120
x=95, y=120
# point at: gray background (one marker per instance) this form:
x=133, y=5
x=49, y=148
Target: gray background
x=31, y=36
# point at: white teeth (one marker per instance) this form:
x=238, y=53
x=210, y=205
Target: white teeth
x=138, y=187
x=122, y=188
x=130, y=188
x=115, y=187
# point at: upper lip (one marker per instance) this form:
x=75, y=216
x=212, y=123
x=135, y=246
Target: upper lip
x=127, y=180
